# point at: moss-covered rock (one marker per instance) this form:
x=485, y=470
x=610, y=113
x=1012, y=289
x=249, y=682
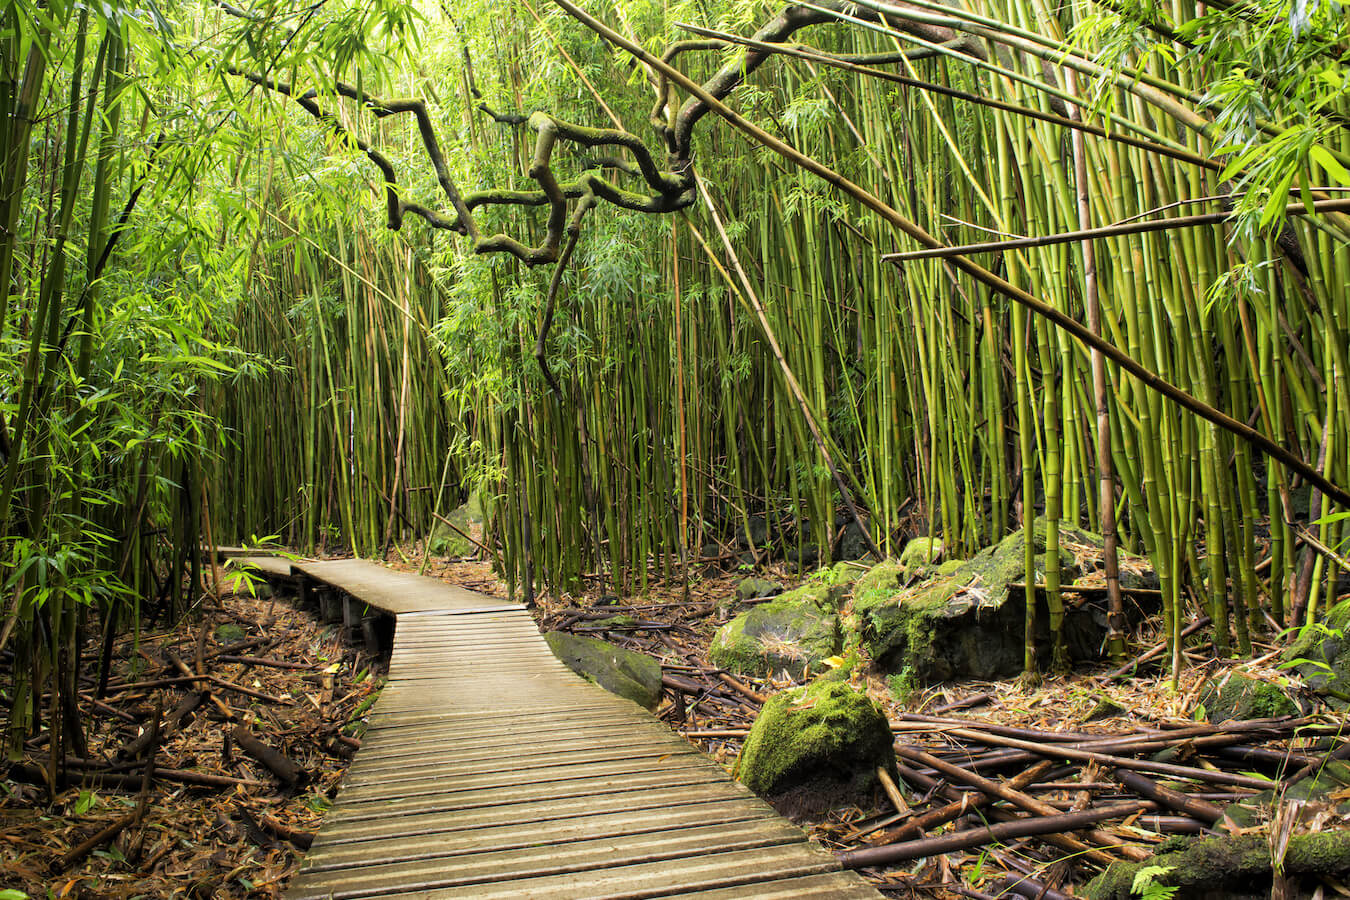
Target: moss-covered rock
x=619, y=671
x=1321, y=654
x=230, y=633
x=878, y=583
x=793, y=632
x=750, y=588
x=825, y=731
x=619, y=621
x=1228, y=867
x=1235, y=696
x=446, y=541
x=921, y=552
x=964, y=619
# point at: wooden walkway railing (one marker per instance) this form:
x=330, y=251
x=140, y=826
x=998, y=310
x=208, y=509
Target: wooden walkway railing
x=490, y=770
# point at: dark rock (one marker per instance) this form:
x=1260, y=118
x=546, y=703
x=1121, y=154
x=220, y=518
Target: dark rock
x=851, y=542
x=825, y=731
x=635, y=676
x=1229, y=867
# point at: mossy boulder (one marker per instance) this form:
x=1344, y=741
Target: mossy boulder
x=794, y=632
x=878, y=583
x=1235, y=696
x=826, y=732
x=964, y=619
x=619, y=671
x=750, y=588
x=1321, y=654
x=230, y=633
x=446, y=541
x=1229, y=867
x=921, y=552
x=619, y=621
x=1332, y=776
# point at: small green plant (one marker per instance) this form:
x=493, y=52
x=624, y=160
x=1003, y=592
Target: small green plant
x=85, y=802
x=903, y=685
x=1146, y=887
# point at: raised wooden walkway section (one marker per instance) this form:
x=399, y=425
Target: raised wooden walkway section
x=491, y=771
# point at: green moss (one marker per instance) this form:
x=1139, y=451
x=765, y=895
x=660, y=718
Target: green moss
x=635, y=676
x=824, y=730
x=921, y=552
x=877, y=584
x=929, y=627
x=791, y=632
x=750, y=588
x=620, y=621
x=446, y=541
x=903, y=685
x=1240, y=697
x=230, y=633
x=1208, y=866
x=1321, y=654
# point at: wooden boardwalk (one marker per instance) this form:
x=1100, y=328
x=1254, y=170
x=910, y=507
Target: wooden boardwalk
x=491, y=771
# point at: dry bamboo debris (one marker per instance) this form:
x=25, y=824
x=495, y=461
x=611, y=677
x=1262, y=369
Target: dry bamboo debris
x=178, y=787
x=1092, y=820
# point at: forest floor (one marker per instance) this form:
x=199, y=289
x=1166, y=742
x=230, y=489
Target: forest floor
x=217, y=822
x=214, y=822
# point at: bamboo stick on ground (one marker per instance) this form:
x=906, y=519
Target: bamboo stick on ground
x=974, y=837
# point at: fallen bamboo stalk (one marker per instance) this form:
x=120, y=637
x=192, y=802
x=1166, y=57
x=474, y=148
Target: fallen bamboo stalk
x=181, y=666
x=204, y=779
x=741, y=688
x=141, y=742
x=264, y=661
x=893, y=791
x=1176, y=800
x=98, y=838
x=276, y=762
x=914, y=828
x=302, y=839
x=1022, y=885
x=1017, y=798
x=968, y=702
x=249, y=692
x=1059, y=751
x=988, y=834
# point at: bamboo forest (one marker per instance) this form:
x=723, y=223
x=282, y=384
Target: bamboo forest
x=674, y=448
